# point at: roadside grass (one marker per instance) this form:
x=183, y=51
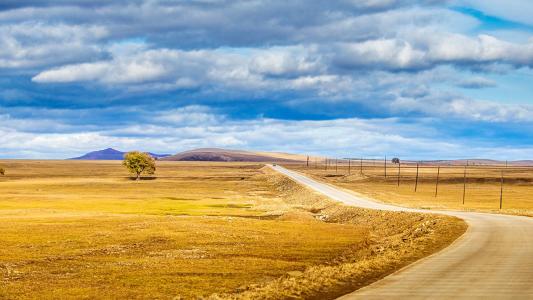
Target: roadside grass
x=395, y=240
x=78, y=229
x=482, y=187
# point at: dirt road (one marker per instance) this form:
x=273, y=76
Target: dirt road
x=492, y=260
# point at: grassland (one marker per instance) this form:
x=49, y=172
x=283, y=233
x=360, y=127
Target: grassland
x=481, y=191
x=220, y=230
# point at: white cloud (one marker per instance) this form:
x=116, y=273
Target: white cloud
x=342, y=138
x=425, y=49
x=286, y=61
x=257, y=68
x=383, y=53
x=340, y=58
x=34, y=44
x=455, y=48
x=461, y=108
x=187, y=69
x=140, y=67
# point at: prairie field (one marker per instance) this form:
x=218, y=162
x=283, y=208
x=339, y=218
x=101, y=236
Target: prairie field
x=84, y=229
x=482, y=187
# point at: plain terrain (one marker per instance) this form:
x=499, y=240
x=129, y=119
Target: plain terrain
x=481, y=192
x=496, y=248
x=222, y=230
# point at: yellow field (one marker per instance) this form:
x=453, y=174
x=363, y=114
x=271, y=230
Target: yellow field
x=481, y=192
x=85, y=230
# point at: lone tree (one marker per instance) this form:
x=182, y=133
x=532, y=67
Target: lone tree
x=2, y=171
x=139, y=163
x=395, y=160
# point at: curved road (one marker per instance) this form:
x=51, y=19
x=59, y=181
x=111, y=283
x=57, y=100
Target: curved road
x=492, y=260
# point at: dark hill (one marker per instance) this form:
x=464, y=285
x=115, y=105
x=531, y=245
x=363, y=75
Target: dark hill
x=110, y=154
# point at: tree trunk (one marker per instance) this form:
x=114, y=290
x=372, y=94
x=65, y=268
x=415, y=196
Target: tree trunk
x=138, y=176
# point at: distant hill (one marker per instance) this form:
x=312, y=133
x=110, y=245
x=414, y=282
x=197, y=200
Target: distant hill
x=110, y=154
x=215, y=154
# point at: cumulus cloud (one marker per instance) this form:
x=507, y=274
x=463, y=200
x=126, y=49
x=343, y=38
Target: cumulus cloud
x=286, y=62
x=291, y=60
x=135, y=67
x=455, y=107
x=427, y=50
x=188, y=69
x=34, y=44
x=387, y=54
x=211, y=23
x=375, y=136
x=180, y=131
x=455, y=48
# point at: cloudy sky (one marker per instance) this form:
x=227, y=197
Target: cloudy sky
x=416, y=79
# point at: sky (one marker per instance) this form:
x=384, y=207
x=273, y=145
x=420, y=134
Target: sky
x=429, y=79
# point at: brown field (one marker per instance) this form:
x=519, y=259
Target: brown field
x=80, y=229
x=481, y=192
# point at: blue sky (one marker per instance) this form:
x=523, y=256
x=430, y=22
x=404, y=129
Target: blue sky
x=429, y=79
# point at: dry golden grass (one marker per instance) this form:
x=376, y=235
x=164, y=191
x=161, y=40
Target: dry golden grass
x=76, y=229
x=395, y=240
x=482, y=186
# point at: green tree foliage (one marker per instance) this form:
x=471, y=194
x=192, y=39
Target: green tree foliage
x=139, y=163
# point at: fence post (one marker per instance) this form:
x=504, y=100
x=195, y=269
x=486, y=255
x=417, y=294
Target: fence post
x=326, y=164
x=336, y=164
x=349, y=166
x=307, y=163
x=501, y=191
x=399, y=172
x=464, y=185
x=361, y=166
x=437, y=185
x=416, y=180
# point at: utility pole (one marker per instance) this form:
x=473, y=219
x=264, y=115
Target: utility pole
x=464, y=186
x=501, y=191
x=349, y=166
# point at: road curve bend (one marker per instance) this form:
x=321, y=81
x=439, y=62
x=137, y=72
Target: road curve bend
x=492, y=260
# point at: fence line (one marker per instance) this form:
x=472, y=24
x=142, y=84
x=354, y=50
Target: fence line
x=431, y=171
